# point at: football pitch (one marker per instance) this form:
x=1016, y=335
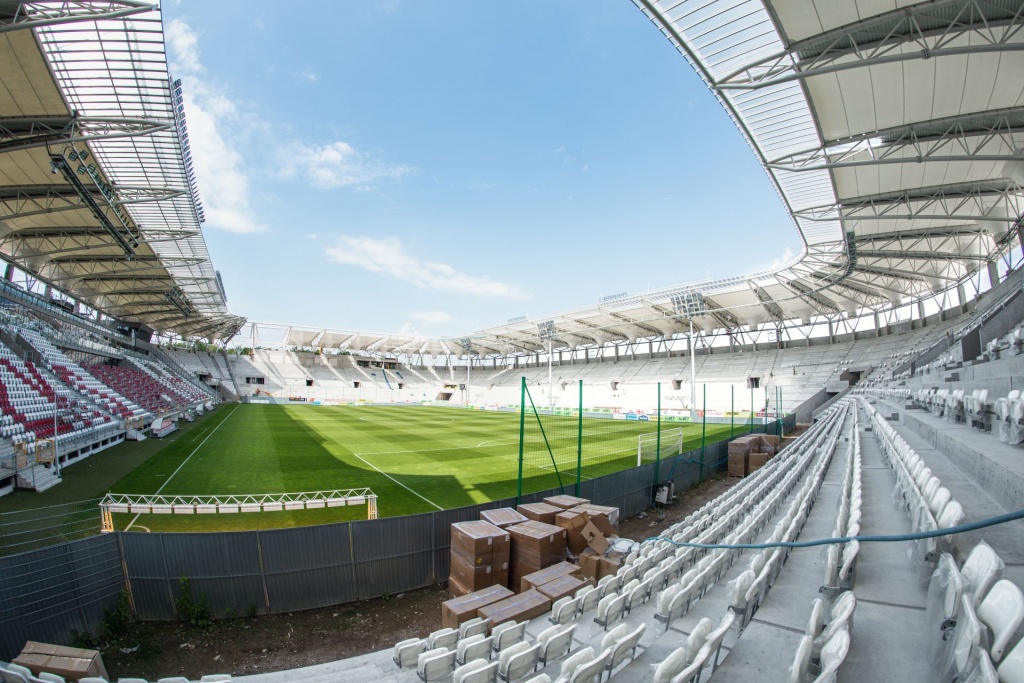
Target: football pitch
x=415, y=458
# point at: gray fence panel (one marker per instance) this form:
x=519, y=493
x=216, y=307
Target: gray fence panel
x=393, y=554
x=148, y=577
x=47, y=594
x=608, y=490
x=223, y=567
x=637, y=490
x=307, y=567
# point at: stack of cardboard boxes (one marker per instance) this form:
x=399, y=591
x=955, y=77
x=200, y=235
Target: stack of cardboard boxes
x=480, y=554
x=513, y=564
x=535, y=545
x=749, y=453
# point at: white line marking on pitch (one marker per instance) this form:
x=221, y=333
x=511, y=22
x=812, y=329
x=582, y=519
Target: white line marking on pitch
x=183, y=464
x=395, y=480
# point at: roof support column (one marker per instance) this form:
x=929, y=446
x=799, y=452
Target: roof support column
x=878, y=332
x=9, y=272
x=831, y=333
x=961, y=294
x=993, y=278
x=920, y=311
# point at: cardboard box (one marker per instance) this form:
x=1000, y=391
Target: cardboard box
x=70, y=662
x=573, y=523
x=563, y=587
x=738, y=463
x=473, y=577
x=598, y=517
x=502, y=517
x=611, y=513
x=464, y=608
x=540, y=512
x=565, y=502
x=456, y=589
x=523, y=607
x=771, y=440
x=608, y=566
x=756, y=462
x=555, y=571
x=476, y=543
x=595, y=539
x=589, y=564
x=535, y=545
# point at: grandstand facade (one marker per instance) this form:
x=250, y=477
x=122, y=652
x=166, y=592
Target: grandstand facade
x=894, y=135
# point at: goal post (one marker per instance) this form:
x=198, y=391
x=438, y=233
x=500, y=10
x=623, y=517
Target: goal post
x=647, y=445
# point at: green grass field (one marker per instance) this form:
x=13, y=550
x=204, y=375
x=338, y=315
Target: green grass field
x=416, y=459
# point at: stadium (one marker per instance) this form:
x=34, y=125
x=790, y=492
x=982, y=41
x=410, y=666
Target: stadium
x=810, y=472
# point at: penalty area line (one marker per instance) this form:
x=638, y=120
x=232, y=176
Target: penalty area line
x=356, y=455
x=226, y=418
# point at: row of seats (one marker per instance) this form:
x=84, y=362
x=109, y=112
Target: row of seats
x=921, y=493
x=972, y=613
x=826, y=640
x=748, y=591
x=15, y=673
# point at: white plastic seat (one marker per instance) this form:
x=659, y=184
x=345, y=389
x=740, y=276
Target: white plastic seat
x=473, y=627
x=1002, y=611
x=517, y=661
x=54, y=678
x=445, y=637
x=507, y=634
x=435, y=664
x=407, y=652
x=564, y=610
x=586, y=673
x=625, y=647
x=801, y=661
x=573, y=662
x=980, y=570
x=833, y=654
x=540, y=678
x=588, y=597
x=15, y=673
x=1011, y=669
x=474, y=647
x=556, y=643
x=610, y=610
x=476, y=671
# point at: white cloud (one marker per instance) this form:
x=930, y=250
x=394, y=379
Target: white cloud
x=311, y=235
x=388, y=257
x=784, y=260
x=431, y=317
x=307, y=76
x=337, y=164
x=223, y=183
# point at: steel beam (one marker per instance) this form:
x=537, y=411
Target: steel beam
x=37, y=14
x=923, y=31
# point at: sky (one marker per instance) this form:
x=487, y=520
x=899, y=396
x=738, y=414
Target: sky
x=439, y=168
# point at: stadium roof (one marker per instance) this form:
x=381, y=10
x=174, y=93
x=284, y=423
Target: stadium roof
x=97, y=195
x=893, y=132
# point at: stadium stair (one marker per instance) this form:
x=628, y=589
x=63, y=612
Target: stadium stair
x=37, y=478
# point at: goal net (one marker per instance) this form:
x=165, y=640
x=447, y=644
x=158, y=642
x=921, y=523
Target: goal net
x=647, y=445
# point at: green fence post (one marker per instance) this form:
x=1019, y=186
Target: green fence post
x=579, y=445
x=782, y=414
x=732, y=411
x=522, y=434
x=657, y=443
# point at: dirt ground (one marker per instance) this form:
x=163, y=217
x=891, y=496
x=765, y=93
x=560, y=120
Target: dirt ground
x=249, y=645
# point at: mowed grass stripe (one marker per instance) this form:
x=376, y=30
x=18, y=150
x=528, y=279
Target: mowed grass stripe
x=449, y=457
